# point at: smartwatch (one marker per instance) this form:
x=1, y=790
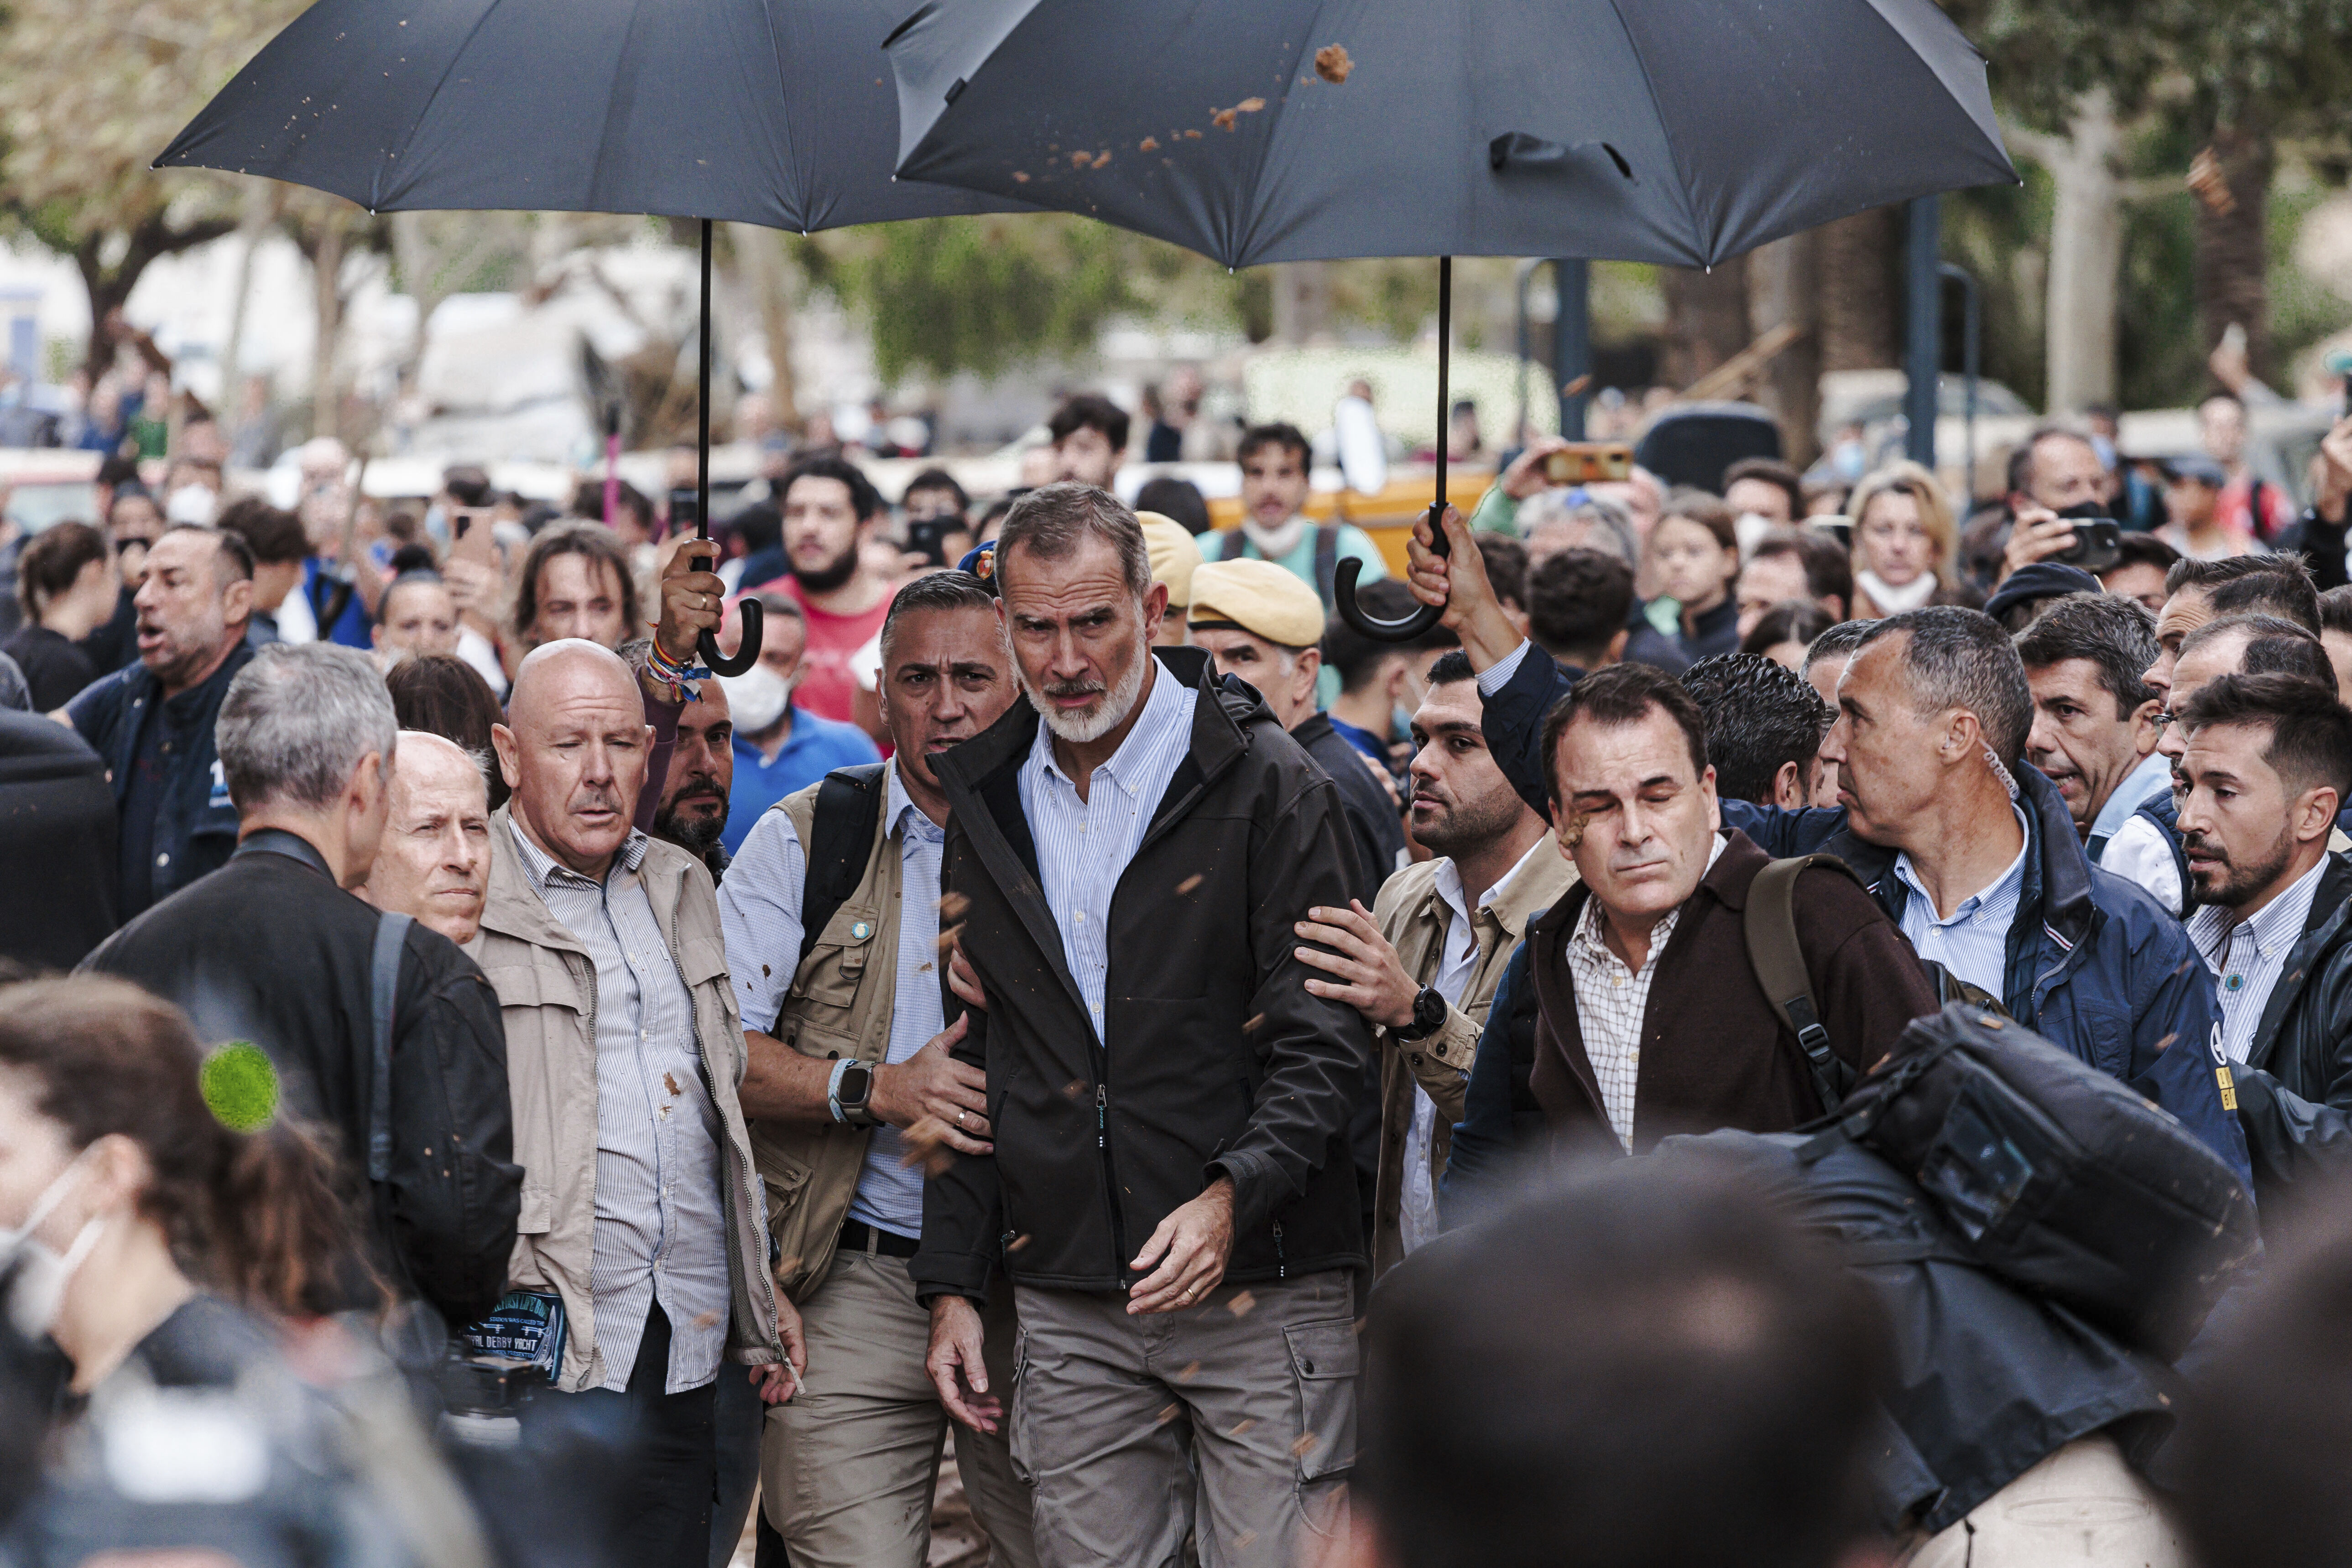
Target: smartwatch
x=846, y=1094
x=1428, y=1015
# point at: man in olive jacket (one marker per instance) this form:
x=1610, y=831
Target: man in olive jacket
x=1172, y=1190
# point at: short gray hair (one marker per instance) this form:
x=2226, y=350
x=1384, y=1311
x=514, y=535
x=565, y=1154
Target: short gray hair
x=1962, y=658
x=298, y=719
x=1051, y=519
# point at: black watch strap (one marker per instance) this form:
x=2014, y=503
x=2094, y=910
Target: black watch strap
x=1428, y=1015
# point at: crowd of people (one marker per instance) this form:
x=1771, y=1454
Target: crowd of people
x=1270, y=1094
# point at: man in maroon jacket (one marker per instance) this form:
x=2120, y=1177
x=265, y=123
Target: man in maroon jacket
x=1650, y=1019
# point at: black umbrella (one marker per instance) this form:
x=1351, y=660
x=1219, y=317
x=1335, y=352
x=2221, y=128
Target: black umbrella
x=1670, y=130
x=778, y=112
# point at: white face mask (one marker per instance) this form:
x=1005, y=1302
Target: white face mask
x=39, y=1286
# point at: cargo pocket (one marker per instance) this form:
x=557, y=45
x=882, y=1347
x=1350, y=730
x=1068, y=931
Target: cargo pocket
x=1323, y=1362
x=1016, y=1411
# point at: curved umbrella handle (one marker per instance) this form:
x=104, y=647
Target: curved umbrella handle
x=1424, y=617
x=747, y=652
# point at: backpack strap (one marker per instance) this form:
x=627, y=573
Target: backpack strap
x=1779, y=961
x=383, y=989
x=1326, y=560
x=1230, y=544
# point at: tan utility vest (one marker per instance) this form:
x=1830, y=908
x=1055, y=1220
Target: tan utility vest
x=840, y=1006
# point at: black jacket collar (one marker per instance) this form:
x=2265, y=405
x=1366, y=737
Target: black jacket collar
x=292, y=846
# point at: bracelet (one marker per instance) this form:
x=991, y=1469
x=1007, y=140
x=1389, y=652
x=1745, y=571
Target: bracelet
x=672, y=676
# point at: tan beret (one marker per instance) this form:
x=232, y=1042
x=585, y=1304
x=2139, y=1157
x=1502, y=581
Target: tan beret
x=1173, y=555
x=1263, y=598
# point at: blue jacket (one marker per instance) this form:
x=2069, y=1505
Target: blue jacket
x=2095, y=966
x=196, y=829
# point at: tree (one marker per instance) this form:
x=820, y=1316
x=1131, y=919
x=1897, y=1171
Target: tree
x=91, y=90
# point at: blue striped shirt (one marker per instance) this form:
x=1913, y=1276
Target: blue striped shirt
x=1084, y=845
x=1972, y=942
x=661, y=1212
x=759, y=911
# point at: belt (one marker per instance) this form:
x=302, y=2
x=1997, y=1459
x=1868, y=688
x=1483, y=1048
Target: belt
x=856, y=1235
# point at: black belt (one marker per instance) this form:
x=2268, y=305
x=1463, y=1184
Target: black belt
x=856, y=1235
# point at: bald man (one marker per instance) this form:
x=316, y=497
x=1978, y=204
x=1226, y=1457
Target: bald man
x=434, y=862
x=611, y=969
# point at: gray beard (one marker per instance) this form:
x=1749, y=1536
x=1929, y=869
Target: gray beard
x=1115, y=705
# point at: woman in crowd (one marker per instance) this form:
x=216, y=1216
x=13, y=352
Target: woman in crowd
x=1693, y=558
x=65, y=581
x=165, y=1254
x=1903, y=542
x=441, y=694
x=1786, y=632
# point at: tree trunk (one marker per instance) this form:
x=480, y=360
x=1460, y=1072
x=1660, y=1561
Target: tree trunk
x=326, y=267
x=1707, y=318
x=252, y=223
x=2232, y=253
x=1784, y=286
x=2086, y=253
x=1859, y=302
x=1302, y=302
x=765, y=273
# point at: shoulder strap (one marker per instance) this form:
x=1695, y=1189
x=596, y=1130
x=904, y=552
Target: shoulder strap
x=1230, y=544
x=1779, y=960
x=383, y=989
x=841, y=836
x=1326, y=560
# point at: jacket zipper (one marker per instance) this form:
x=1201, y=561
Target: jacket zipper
x=1281, y=1263
x=744, y=1174
x=1110, y=1183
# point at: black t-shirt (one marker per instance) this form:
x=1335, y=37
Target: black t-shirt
x=55, y=669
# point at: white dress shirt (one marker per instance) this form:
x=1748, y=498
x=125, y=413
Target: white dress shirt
x=2248, y=955
x=1084, y=845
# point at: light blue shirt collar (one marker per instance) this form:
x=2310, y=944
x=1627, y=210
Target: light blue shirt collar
x=2142, y=785
x=2004, y=888
x=1165, y=708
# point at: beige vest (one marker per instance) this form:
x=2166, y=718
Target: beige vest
x=840, y=1006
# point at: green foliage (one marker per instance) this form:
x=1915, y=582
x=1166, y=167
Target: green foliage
x=981, y=294
x=2303, y=309
x=2000, y=234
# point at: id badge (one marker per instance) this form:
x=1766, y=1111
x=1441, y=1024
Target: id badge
x=525, y=1326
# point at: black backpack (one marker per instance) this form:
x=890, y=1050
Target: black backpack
x=2063, y=1180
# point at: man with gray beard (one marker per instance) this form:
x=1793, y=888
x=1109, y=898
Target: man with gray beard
x=1422, y=966
x=1132, y=856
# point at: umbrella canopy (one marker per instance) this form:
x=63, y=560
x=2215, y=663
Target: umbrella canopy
x=1670, y=131
x=769, y=111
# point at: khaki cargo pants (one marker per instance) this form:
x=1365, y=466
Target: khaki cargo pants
x=1241, y=1410
x=849, y=1465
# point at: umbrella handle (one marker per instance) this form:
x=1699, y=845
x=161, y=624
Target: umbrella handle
x=1343, y=578
x=747, y=650
x=1424, y=617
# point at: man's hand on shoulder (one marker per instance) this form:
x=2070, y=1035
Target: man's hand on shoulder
x=1368, y=974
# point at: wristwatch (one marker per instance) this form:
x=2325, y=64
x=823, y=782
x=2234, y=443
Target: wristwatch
x=846, y=1094
x=1428, y=1015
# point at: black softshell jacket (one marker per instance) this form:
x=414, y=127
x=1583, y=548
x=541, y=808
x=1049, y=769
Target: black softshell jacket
x=1215, y=1060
